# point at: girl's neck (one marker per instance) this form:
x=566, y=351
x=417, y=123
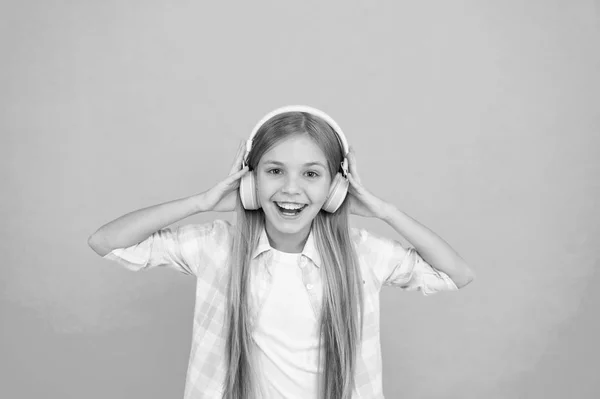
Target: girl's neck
x=290, y=243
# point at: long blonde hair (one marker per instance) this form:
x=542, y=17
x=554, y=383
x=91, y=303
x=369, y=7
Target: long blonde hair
x=340, y=324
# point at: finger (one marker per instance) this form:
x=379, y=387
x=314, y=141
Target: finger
x=240, y=150
x=353, y=165
x=237, y=162
x=351, y=179
x=239, y=173
x=354, y=179
x=244, y=170
x=237, y=154
x=353, y=183
x=351, y=155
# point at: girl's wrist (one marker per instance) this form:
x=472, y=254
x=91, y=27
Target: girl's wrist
x=386, y=211
x=199, y=203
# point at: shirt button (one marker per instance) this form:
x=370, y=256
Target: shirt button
x=302, y=262
x=309, y=286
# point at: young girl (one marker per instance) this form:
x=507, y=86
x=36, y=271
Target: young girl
x=287, y=299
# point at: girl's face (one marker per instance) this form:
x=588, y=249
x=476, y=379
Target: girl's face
x=292, y=173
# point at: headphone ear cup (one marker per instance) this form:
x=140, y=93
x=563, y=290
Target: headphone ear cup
x=337, y=193
x=248, y=193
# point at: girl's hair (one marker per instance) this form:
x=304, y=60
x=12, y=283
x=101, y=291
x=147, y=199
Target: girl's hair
x=342, y=306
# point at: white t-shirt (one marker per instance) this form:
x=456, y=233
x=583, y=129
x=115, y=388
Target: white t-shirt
x=286, y=335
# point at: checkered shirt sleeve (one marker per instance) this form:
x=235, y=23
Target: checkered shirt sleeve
x=396, y=266
x=188, y=249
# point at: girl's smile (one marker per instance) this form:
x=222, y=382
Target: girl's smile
x=290, y=210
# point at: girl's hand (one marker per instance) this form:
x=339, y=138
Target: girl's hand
x=222, y=197
x=362, y=202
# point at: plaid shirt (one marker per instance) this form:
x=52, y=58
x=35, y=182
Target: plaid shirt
x=202, y=250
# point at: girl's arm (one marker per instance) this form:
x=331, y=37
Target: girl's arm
x=432, y=248
x=136, y=226
x=435, y=251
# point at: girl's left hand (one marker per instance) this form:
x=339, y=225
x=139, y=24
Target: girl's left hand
x=362, y=202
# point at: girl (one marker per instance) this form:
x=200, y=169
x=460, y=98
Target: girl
x=287, y=300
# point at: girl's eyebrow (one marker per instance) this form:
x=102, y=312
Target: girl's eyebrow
x=306, y=164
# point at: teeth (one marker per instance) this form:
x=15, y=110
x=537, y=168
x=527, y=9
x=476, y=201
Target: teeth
x=288, y=205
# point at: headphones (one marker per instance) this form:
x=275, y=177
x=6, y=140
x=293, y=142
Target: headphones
x=339, y=186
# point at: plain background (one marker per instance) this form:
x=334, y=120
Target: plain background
x=478, y=118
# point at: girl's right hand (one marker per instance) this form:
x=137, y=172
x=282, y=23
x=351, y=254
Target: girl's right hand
x=222, y=197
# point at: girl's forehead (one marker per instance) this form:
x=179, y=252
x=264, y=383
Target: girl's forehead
x=294, y=148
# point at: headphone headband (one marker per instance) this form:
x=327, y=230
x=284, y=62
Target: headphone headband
x=300, y=108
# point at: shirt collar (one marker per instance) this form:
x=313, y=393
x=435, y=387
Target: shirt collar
x=310, y=250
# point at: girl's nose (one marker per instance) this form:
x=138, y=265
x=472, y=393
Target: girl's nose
x=291, y=185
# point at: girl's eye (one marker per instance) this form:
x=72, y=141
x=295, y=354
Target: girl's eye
x=274, y=171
